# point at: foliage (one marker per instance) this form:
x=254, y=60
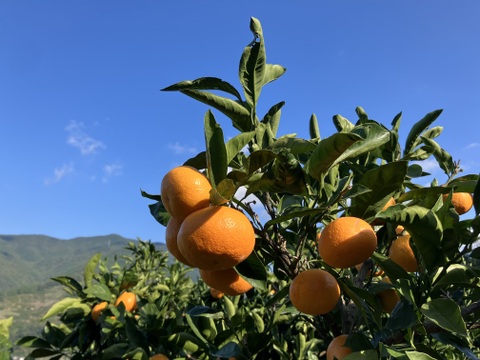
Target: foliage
x=298, y=186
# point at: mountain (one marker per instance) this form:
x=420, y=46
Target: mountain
x=27, y=262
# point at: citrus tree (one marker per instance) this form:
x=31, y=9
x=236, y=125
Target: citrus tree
x=326, y=247
x=364, y=249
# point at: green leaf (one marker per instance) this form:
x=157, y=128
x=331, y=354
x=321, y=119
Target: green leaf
x=116, y=351
x=33, y=342
x=313, y=127
x=70, y=283
x=223, y=193
x=236, y=111
x=328, y=152
x=40, y=353
x=384, y=181
x=272, y=72
x=230, y=349
x=392, y=269
x=295, y=145
x=89, y=270
x=61, y=306
x=253, y=270
x=425, y=229
x=342, y=124
x=100, y=291
x=373, y=137
x=5, y=325
x=205, y=83
x=444, y=159
x=272, y=118
x=217, y=163
x=237, y=143
x=418, y=128
x=476, y=198
x=416, y=355
x=252, y=67
x=446, y=314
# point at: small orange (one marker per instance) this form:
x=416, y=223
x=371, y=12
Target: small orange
x=314, y=292
x=401, y=253
x=129, y=300
x=158, y=357
x=388, y=298
x=97, y=310
x=227, y=281
x=184, y=189
x=171, y=234
x=462, y=202
x=346, y=242
x=216, y=294
x=216, y=238
x=337, y=349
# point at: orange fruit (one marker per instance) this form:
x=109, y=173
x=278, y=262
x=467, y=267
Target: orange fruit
x=184, y=189
x=97, y=310
x=346, y=242
x=336, y=348
x=216, y=294
x=158, y=357
x=314, y=292
x=129, y=300
x=216, y=238
x=226, y=281
x=388, y=298
x=462, y=202
x=399, y=230
x=171, y=234
x=401, y=253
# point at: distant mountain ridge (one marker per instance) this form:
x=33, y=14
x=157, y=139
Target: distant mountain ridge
x=28, y=262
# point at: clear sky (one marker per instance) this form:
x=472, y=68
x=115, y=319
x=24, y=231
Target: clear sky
x=84, y=127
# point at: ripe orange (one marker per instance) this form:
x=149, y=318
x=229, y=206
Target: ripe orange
x=97, y=310
x=216, y=294
x=171, y=234
x=184, y=189
x=401, y=253
x=346, y=242
x=158, y=357
x=129, y=300
x=461, y=201
x=226, y=281
x=314, y=292
x=336, y=348
x=389, y=298
x=216, y=238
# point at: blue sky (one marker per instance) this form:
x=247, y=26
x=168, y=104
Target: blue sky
x=84, y=127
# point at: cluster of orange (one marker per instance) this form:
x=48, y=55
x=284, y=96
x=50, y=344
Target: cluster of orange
x=347, y=242
x=212, y=238
x=129, y=300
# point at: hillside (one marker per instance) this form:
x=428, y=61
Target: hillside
x=27, y=262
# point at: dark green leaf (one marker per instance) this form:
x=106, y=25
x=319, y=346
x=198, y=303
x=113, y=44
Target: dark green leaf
x=425, y=229
x=476, y=198
x=328, y=152
x=392, y=270
x=236, y=111
x=443, y=158
x=217, y=163
x=313, y=127
x=446, y=314
x=230, y=349
x=159, y=213
x=253, y=65
x=418, y=128
x=33, y=342
x=40, y=353
x=71, y=284
x=205, y=83
x=253, y=270
x=272, y=72
x=237, y=143
x=384, y=181
x=100, y=291
x=342, y=124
